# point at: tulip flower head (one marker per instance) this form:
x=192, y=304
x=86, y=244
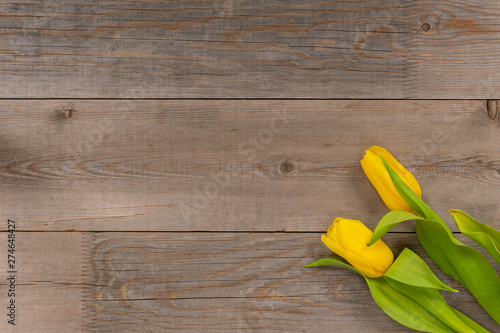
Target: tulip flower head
x=349, y=239
x=380, y=179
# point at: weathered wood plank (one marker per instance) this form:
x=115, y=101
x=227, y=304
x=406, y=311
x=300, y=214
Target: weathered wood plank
x=219, y=282
x=203, y=49
x=157, y=282
x=294, y=49
x=235, y=165
x=455, y=49
x=49, y=283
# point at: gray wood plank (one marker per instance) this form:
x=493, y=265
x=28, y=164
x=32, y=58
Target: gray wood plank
x=215, y=282
x=50, y=282
x=236, y=165
x=273, y=49
x=193, y=282
x=457, y=56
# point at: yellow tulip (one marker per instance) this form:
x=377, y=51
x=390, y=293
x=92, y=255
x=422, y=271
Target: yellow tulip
x=379, y=177
x=349, y=239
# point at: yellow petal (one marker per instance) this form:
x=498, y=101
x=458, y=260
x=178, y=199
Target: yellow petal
x=353, y=235
x=349, y=239
x=360, y=263
x=402, y=172
x=377, y=174
x=379, y=177
x=333, y=245
x=379, y=256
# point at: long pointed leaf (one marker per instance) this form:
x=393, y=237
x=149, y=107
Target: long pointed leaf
x=395, y=304
x=463, y=263
x=471, y=323
x=333, y=262
x=431, y=300
x=389, y=221
x=403, y=309
x=487, y=237
x=410, y=269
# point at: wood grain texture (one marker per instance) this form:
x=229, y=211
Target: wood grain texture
x=277, y=49
x=457, y=56
x=193, y=282
x=138, y=174
x=238, y=282
x=236, y=165
x=50, y=282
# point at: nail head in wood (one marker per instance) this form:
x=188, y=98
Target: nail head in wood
x=426, y=27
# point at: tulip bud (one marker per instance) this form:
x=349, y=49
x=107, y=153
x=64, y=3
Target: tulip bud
x=380, y=179
x=349, y=239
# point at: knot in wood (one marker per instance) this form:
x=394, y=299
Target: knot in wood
x=426, y=27
x=288, y=167
x=492, y=108
x=65, y=112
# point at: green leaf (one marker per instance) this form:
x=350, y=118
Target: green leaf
x=463, y=263
x=410, y=197
x=487, y=237
x=394, y=303
x=431, y=300
x=403, y=309
x=333, y=262
x=410, y=269
x=389, y=221
x=471, y=323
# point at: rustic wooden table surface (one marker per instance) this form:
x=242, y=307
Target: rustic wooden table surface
x=171, y=165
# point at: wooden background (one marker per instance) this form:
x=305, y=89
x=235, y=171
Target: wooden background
x=171, y=165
